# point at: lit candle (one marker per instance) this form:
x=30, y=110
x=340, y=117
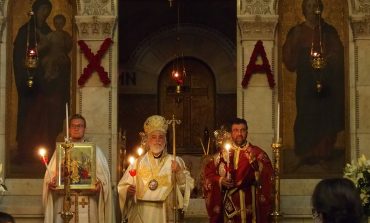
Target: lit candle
x=227, y=148
x=42, y=153
x=140, y=151
x=67, y=125
x=131, y=160
x=132, y=172
x=278, y=123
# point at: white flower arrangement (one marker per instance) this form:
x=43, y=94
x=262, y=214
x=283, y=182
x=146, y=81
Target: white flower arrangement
x=359, y=173
x=2, y=185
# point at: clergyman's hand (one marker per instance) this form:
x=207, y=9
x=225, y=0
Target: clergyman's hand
x=228, y=183
x=175, y=166
x=52, y=184
x=97, y=187
x=131, y=190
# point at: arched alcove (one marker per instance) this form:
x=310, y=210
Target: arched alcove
x=152, y=56
x=194, y=105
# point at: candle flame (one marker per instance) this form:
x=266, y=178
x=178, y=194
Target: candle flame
x=131, y=160
x=42, y=151
x=227, y=146
x=140, y=151
x=32, y=52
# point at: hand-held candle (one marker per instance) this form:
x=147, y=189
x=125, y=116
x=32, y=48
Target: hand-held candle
x=131, y=160
x=42, y=153
x=227, y=148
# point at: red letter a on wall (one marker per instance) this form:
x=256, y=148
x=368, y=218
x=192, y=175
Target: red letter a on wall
x=258, y=68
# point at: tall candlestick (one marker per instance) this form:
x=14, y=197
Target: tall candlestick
x=67, y=125
x=278, y=123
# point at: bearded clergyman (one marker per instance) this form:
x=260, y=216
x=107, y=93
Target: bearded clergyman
x=147, y=188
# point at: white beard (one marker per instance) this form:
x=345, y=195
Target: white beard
x=156, y=149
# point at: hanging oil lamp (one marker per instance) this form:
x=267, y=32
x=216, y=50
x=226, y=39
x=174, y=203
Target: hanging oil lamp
x=317, y=53
x=178, y=72
x=31, y=58
x=318, y=60
x=178, y=75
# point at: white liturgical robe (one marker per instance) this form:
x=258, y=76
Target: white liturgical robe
x=91, y=209
x=153, y=201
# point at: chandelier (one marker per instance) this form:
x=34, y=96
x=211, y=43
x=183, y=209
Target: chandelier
x=31, y=58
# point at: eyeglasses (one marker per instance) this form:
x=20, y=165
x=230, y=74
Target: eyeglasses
x=72, y=126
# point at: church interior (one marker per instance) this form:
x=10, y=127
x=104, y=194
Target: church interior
x=203, y=62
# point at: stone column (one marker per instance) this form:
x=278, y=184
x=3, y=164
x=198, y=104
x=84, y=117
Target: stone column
x=96, y=21
x=359, y=79
x=256, y=103
x=3, y=62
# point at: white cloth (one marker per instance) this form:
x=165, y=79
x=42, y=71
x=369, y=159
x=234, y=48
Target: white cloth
x=100, y=207
x=154, y=206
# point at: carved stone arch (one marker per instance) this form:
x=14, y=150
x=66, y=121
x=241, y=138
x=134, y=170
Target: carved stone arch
x=202, y=43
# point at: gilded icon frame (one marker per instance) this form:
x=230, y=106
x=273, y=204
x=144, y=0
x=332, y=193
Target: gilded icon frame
x=83, y=157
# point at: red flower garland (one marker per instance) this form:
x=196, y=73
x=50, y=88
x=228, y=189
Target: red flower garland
x=257, y=68
x=94, y=62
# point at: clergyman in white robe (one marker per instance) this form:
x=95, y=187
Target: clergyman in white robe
x=154, y=206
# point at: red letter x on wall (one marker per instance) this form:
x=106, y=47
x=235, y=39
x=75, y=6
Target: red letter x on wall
x=94, y=62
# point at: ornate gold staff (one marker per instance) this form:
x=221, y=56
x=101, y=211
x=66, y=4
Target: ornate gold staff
x=173, y=122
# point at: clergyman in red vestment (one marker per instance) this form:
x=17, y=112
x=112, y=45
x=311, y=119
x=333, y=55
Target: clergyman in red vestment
x=244, y=195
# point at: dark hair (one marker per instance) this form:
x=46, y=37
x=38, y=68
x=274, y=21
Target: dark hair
x=321, y=6
x=6, y=218
x=338, y=201
x=60, y=16
x=237, y=121
x=77, y=116
x=38, y=3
